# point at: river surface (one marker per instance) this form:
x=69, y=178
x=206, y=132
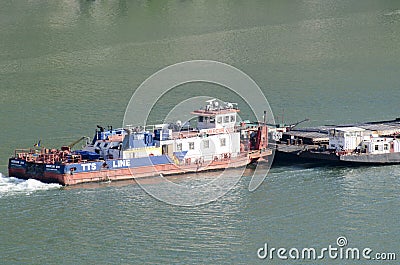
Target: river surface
x=66, y=66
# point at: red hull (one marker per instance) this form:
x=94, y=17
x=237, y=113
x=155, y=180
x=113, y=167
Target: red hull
x=140, y=172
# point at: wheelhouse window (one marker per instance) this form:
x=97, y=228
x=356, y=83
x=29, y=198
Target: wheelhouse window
x=191, y=145
x=201, y=118
x=233, y=118
x=219, y=119
x=223, y=141
x=226, y=119
x=206, y=143
x=179, y=147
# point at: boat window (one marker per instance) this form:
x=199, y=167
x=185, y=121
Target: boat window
x=226, y=119
x=386, y=147
x=105, y=145
x=223, y=141
x=212, y=119
x=179, y=147
x=376, y=147
x=98, y=144
x=201, y=118
x=206, y=144
x=191, y=145
x=219, y=119
x=233, y=118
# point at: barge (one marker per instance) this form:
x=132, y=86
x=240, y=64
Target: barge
x=218, y=141
x=361, y=143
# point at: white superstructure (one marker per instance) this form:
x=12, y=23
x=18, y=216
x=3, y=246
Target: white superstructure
x=355, y=139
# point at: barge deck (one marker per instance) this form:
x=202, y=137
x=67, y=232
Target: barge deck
x=375, y=142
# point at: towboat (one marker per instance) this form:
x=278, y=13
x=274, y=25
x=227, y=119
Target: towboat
x=217, y=141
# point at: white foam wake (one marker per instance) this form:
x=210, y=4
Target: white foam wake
x=392, y=13
x=11, y=185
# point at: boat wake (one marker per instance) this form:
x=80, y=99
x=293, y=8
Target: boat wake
x=11, y=186
x=392, y=13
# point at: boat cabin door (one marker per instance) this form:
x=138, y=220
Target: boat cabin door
x=167, y=149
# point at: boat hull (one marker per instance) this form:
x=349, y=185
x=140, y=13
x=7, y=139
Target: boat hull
x=63, y=176
x=282, y=157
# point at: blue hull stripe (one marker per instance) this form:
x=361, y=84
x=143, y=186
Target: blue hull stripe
x=97, y=166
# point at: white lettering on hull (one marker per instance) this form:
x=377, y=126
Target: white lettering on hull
x=89, y=166
x=121, y=163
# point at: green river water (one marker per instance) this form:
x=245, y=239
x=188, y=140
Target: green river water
x=68, y=65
